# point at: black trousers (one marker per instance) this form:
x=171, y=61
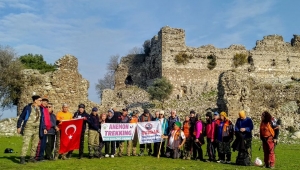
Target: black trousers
x=148, y=146
x=156, y=148
x=197, y=150
x=112, y=147
x=49, y=145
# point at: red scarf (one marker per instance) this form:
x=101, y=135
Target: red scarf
x=47, y=117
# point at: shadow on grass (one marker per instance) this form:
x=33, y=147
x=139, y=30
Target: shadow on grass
x=15, y=159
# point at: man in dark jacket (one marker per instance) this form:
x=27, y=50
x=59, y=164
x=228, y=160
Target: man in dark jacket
x=111, y=118
x=123, y=118
x=94, y=130
x=51, y=133
x=45, y=124
x=145, y=117
x=172, y=119
x=80, y=114
x=28, y=125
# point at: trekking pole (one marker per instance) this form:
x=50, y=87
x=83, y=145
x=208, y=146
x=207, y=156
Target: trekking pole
x=164, y=123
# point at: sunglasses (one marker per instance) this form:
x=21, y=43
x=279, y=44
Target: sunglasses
x=49, y=106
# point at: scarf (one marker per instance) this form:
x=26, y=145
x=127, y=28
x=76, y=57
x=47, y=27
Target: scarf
x=46, y=117
x=226, y=124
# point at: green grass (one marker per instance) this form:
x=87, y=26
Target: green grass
x=287, y=157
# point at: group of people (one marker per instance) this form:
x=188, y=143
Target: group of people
x=38, y=123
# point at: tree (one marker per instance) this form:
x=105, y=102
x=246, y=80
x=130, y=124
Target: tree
x=36, y=61
x=136, y=50
x=108, y=81
x=147, y=47
x=160, y=90
x=10, y=77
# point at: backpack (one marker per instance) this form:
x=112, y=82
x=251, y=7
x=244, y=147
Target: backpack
x=8, y=150
x=243, y=158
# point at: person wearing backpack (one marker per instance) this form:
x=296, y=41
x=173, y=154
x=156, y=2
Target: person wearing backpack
x=243, y=132
x=269, y=132
x=176, y=140
x=224, y=138
x=199, y=141
x=210, y=137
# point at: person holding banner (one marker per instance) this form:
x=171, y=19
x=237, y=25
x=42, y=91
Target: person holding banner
x=176, y=140
x=155, y=146
x=94, y=130
x=145, y=117
x=160, y=146
x=111, y=118
x=133, y=143
x=60, y=116
x=123, y=118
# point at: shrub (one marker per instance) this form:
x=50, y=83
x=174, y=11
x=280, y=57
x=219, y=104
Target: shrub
x=212, y=62
x=239, y=59
x=268, y=86
x=183, y=58
x=291, y=129
x=36, y=61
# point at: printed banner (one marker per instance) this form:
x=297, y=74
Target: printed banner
x=70, y=132
x=149, y=132
x=117, y=131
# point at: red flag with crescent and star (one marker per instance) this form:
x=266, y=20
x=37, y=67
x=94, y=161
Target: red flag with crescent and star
x=70, y=132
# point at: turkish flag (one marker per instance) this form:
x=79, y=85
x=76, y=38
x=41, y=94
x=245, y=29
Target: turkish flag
x=70, y=132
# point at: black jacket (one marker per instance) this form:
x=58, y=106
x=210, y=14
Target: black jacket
x=78, y=115
x=93, y=122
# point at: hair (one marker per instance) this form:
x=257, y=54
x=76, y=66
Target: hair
x=267, y=117
x=101, y=115
x=65, y=105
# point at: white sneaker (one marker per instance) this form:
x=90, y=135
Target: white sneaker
x=106, y=156
x=221, y=161
x=112, y=156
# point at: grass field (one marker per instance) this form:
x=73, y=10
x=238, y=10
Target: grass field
x=287, y=157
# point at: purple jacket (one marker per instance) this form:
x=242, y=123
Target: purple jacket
x=198, y=129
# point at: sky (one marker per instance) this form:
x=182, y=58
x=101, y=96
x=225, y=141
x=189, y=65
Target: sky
x=94, y=30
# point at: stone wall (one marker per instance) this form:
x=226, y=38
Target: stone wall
x=65, y=85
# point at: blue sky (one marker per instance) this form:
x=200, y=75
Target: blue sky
x=94, y=30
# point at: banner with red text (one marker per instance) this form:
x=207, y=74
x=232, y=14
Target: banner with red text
x=117, y=131
x=149, y=132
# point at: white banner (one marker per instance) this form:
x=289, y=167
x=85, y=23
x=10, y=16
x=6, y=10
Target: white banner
x=149, y=132
x=117, y=131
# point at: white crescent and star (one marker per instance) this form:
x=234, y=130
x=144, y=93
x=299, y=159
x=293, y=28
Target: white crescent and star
x=66, y=131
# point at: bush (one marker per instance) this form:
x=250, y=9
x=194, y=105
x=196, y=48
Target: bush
x=212, y=62
x=183, y=58
x=147, y=47
x=37, y=62
x=160, y=90
x=240, y=59
x=291, y=129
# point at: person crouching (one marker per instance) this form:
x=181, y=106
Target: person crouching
x=176, y=140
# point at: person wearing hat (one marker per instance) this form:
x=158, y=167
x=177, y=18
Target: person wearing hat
x=123, y=118
x=28, y=125
x=145, y=117
x=210, y=136
x=60, y=116
x=80, y=114
x=93, y=133
x=176, y=140
x=164, y=128
x=133, y=143
x=224, y=131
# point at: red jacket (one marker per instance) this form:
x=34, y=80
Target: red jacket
x=210, y=130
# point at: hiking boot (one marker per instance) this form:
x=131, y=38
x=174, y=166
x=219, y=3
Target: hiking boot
x=228, y=162
x=141, y=153
x=22, y=160
x=64, y=157
x=80, y=156
x=69, y=155
x=120, y=154
x=32, y=160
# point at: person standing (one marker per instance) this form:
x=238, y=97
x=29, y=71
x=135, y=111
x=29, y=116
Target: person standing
x=188, y=132
x=93, y=133
x=224, y=130
x=28, y=125
x=155, y=149
x=133, y=143
x=216, y=118
x=80, y=114
x=102, y=119
x=123, y=118
x=60, y=116
x=172, y=119
x=210, y=136
x=243, y=132
x=111, y=118
x=164, y=128
x=51, y=133
x=269, y=132
x=145, y=117
x=198, y=142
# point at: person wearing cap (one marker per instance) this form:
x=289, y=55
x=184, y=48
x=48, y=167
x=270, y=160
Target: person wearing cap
x=28, y=125
x=45, y=125
x=210, y=136
x=198, y=141
x=123, y=118
x=145, y=117
x=176, y=140
x=80, y=114
x=164, y=129
x=133, y=143
x=50, y=133
x=188, y=129
x=243, y=132
x=93, y=133
x=111, y=118
x=172, y=119
x=60, y=116
x=224, y=131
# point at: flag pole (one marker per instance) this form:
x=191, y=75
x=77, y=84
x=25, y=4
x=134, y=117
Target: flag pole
x=164, y=123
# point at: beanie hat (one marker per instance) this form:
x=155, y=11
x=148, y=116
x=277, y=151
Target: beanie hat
x=208, y=114
x=35, y=97
x=224, y=114
x=95, y=109
x=216, y=114
x=111, y=111
x=192, y=112
x=81, y=106
x=242, y=114
x=178, y=124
